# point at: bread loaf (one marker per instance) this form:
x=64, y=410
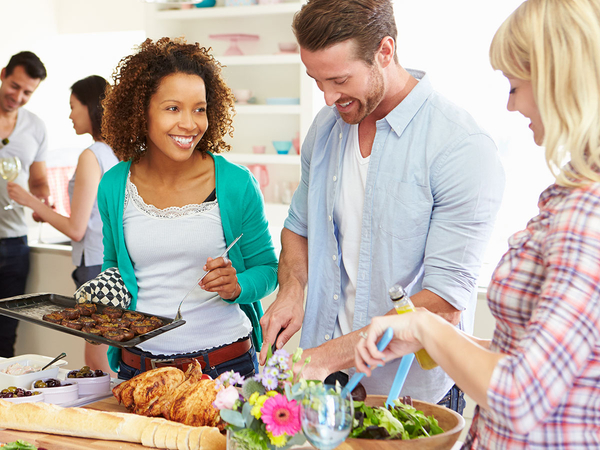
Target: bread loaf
x=89, y=423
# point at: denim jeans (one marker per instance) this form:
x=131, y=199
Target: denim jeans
x=14, y=268
x=454, y=399
x=245, y=365
x=83, y=273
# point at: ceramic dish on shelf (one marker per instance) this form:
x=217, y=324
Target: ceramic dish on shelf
x=234, y=38
x=288, y=47
x=242, y=96
x=205, y=4
x=65, y=392
x=282, y=101
x=282, y=147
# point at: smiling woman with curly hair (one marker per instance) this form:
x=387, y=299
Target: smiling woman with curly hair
x=173, y=204
x=138, y=77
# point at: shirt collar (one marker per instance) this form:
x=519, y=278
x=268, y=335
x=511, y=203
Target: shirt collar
x=401, y=115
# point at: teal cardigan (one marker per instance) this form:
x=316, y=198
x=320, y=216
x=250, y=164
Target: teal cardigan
x=242, y=211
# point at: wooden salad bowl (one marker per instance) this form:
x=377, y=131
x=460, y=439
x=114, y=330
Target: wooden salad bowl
x=451, y=422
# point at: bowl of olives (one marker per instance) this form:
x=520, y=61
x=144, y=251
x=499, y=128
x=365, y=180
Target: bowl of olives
x=91, y=382
x=16, y=394
x=56, y=391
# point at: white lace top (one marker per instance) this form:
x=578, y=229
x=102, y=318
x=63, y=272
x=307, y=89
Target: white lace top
x=168, y=248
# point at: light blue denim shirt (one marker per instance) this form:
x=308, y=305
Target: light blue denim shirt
x=433, y=189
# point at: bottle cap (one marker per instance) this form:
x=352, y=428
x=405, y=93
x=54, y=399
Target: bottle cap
x=396, y=292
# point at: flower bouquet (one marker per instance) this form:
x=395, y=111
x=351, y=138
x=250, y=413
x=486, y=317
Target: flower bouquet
x=263, y=412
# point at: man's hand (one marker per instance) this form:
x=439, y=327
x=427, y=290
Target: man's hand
x=284, y=317
x=316, y=369
x=281, y=321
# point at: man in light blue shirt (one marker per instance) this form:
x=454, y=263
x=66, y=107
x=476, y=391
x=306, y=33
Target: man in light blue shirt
x=398, y=186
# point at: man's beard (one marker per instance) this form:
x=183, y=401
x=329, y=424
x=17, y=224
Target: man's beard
x=372, y=99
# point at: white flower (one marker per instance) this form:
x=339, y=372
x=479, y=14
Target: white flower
x=226, y=398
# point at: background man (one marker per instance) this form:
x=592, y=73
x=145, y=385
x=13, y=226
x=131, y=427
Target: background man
x=398, y=186
x=27, y=140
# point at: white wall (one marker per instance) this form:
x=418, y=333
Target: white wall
x=450, y=40
x=74, y=39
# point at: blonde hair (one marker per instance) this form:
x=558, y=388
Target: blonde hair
x=555, y=44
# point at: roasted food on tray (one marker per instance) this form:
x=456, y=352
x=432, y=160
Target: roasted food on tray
x=64, y=314
x=112, y=323
x=169, y=392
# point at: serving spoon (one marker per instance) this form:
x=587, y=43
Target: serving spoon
x=61, y=356
x=178, y=315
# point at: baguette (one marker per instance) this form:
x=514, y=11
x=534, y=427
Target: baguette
x=90, y=423
x=183, y=439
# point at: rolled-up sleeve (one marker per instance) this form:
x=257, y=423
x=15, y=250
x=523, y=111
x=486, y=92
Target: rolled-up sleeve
x=297, y=219
x=467, y=185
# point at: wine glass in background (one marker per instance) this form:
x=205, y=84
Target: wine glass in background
x=327, y=416
x=9, y=170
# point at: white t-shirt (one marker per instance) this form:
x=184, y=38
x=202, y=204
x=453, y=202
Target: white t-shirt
x=27, y=141
x=168, y=248
x=347, y=214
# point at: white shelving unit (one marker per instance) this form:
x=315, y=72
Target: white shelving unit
x=264, y=70
x=220, y=12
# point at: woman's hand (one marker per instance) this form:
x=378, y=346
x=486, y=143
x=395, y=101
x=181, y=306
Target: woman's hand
x=221, y=278
x=20, y=195
x=405, y=340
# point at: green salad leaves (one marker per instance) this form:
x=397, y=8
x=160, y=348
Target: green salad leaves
x=19, y=445
x=400, y=422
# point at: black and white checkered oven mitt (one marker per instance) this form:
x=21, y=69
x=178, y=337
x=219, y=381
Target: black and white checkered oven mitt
x=107, y=289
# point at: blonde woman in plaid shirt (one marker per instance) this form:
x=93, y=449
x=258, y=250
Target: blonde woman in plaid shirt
x=537, y=382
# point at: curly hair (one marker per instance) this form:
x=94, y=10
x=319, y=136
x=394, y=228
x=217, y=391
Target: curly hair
x=137, y=78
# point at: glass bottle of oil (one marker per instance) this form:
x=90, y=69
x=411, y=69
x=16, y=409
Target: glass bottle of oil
x=403, y=304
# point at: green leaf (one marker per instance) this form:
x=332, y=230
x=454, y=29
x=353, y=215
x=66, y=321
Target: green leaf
x=246, y=413
x=233, y=417
x=19, y=445
x=297, y=439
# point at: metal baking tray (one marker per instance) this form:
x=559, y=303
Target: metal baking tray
x=32, y=307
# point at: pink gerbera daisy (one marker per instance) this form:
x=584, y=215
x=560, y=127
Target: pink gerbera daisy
x=281, y=416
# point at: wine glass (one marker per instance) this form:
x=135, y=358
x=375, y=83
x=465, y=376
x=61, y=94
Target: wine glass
x=9, y=170
x=327, y=416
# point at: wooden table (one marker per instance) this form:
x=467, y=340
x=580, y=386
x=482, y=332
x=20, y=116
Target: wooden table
x=59, y=442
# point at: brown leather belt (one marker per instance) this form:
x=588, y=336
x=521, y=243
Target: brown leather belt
x=215, y=357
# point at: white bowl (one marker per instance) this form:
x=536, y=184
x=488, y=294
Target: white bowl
x=24, y=381
x=242, y=95
x=288, y=47
x=65, y=393
x=92, y=385
x=31, y=399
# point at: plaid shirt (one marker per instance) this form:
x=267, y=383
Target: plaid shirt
x=545, y=296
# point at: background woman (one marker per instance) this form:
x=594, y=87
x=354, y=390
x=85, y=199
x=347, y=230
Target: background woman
x=536, y=382
x=174, y=204
x=84, y=225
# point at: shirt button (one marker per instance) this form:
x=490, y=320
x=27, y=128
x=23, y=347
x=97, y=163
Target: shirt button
x=335, y=297
x=329, y=217
x=334, y=178
x=340, y=136
x=327, y=337
x=334, y=257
